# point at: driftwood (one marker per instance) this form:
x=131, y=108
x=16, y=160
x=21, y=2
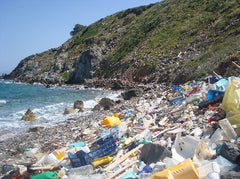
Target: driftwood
x=217, y=75
x=236, y=65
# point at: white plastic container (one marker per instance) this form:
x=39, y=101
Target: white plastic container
x=184, y=147
x=210, y=170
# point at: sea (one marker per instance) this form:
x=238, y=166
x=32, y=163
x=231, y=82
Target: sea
x=48, y=105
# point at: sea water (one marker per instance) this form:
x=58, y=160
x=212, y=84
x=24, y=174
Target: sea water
x=47, y=104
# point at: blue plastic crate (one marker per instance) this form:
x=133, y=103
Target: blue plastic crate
x=75, y=161
x=100, y=148
x=214, y=93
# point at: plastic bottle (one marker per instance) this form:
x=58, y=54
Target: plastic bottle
x=227, y=128
x=122, y=129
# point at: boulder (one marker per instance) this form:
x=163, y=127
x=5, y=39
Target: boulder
x=134, y=92
x=69, y=111
x=29, y=116
x=106, y=103
x=78, y=105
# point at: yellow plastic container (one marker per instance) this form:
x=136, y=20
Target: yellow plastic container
x=102, y=161
x=184, y=170
x=111, y=121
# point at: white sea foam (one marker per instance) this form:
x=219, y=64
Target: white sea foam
x=2, y=101
x=114, y=95
x=90, y=103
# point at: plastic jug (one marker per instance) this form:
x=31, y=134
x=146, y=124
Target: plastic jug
x=184, y=170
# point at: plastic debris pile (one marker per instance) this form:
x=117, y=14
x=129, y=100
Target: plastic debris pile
x=188, y=131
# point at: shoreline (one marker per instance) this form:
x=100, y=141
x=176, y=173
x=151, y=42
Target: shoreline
x=89, y=104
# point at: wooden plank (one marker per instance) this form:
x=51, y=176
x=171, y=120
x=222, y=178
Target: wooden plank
x=124, y=157
x=217, y=75
x=122, y=169
x=236, y=64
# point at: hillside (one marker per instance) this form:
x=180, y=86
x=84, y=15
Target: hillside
x=171, y=41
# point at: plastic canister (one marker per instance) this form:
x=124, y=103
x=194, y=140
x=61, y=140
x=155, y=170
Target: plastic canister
x=184, y=170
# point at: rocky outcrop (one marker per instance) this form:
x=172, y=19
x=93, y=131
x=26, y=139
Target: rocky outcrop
x=86, y=64
x=29, y=116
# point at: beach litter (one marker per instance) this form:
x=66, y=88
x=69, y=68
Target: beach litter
x=187, y=131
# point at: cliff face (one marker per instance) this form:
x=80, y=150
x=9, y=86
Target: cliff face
x=172, y=41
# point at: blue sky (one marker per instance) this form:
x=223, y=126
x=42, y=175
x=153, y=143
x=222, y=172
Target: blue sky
x=32, y=26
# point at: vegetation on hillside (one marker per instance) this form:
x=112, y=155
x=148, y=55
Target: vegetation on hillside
x=171, y=40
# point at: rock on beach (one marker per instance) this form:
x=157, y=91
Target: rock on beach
x=78, y=105
x=69, y=111
x=29, y=116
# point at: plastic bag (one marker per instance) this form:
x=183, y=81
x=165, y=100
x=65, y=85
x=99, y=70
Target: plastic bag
x=231, y=104
x=231, y=99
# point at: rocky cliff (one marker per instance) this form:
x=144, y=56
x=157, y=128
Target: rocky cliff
x=171, y=41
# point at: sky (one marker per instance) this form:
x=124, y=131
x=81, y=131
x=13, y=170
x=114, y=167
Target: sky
x=28, y=27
